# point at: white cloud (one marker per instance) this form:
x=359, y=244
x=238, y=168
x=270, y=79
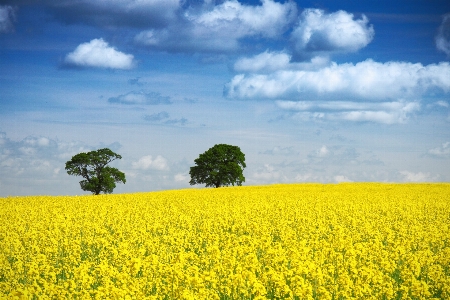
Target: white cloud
x=339, y=157
x=384, y=117
x=318, y=32
x=311, y=177
x=323, y=151
x=98, y=54
x=365, y=80
x=339, y=105
x=319, y=155
x=39, y=161
x=442, y=104
x=416, y=177
x=266, y=174
x=37, y=141
x=181, y=177
x=342, y=178
x=268, y=62
x=147, y=162
x=383, y=112
x=219, y=28
x=308, y=177
x=373, y=91
x=157, y=116
x=268, y=19
x=140, y=98
x=27, y=151
x=7, y=18
x=443, y=36
x=442, y=152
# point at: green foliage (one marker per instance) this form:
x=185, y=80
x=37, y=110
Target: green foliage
x=92, y=166
x=221, y=165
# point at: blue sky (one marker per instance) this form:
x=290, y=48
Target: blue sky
x=311, y=91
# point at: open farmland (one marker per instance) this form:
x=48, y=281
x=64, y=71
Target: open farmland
x=296, y=241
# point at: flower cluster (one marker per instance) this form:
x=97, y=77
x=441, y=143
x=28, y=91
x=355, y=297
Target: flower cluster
x=297, y=241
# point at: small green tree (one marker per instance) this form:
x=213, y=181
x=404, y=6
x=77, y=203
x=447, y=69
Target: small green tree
x=220, y=165
x=92, y=166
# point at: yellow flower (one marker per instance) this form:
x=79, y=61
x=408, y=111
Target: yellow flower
x=311, y=241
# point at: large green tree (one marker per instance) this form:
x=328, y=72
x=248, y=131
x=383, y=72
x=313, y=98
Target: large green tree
x=221, y=165
x=93, y=167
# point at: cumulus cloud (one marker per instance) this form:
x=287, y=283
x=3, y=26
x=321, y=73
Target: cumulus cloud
x=373, y=91
x=267, y=19
x=7, y=18
x=269, y=62
x=98, y=54
x=443, y=36
x=318, y=32
x=441, y=152
x=367, y=80
x=148, y=162
x=219, y=28
x=140, y=98
x=266, y=61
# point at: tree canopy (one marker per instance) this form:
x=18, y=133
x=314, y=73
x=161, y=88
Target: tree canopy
x=221, y=165
x=93, y=167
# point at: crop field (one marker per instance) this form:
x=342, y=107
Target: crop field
x=292, y=241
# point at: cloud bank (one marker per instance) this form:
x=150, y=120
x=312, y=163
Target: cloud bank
x=98, y=54
x=220, y=28
x=366, y=91
x=39, y=161
x=385, y=112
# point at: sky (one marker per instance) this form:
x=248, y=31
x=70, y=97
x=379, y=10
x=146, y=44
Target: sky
x=311, y=91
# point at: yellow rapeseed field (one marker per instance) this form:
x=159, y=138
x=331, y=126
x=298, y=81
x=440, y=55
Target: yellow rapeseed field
x=296, y=241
